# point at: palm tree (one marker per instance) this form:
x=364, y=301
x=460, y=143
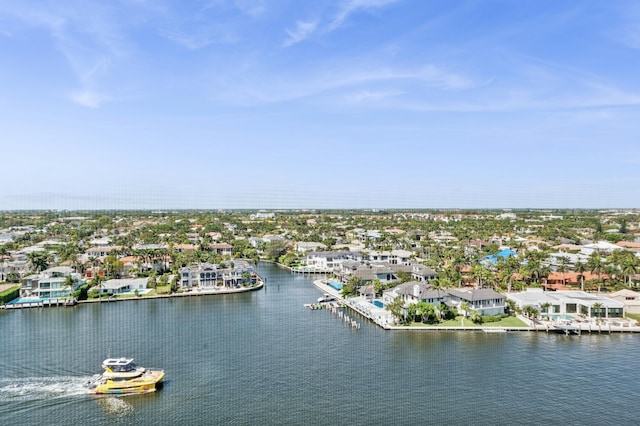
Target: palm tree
x=596, y=266
x=475, y=317
x=630, y=266
x=395, y=307
x=545, y=307
x=39, y=260
x=70, y=282
x=563, y=267
x=478, y=273
x=580, y=268
x=464, y=307
x=598, y=308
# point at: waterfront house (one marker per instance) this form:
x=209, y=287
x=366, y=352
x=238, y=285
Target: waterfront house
x=50, y=284
x=485, y=300
x=367, y=291
x=572, y=303
x=201, y=275
x=328, y=261
x=209, y=275
x=123, y=285
x=415, y=292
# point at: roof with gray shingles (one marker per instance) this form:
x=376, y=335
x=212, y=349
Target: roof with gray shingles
x=425, y=291
x=476, y=294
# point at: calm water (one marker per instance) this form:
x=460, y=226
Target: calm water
x=261, y=358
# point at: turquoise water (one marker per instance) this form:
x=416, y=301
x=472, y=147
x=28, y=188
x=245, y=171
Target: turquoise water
x=560, y=316
x=378, y=303
x=25, y=300
x=262, y=358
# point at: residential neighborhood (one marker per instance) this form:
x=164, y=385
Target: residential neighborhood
x=541, y=265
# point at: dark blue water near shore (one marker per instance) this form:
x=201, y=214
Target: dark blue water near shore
x=261, y=358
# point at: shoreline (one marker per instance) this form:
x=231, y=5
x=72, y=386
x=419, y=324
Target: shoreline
x=575, y=328
x=185, y=294
x=257, y=287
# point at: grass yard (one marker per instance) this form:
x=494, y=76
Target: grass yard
x=504, y=322
x=634, y=316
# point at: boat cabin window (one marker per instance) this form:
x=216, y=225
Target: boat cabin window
x=118, y=367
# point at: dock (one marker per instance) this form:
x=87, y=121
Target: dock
x=383, y=318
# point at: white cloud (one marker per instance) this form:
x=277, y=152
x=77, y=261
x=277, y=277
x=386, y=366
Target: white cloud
x=339, y=83
x=352, y=6
x=372, y=96
x=88, y=98
x=303, y=30
x=88, y=35
x=251, y=7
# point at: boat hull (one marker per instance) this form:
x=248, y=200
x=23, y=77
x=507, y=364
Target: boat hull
x=149, y=382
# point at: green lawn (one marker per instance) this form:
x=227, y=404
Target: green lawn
x=634, y=316
x=504, y=322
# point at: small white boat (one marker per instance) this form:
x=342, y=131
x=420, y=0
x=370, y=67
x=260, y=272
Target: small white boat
x=325, y=298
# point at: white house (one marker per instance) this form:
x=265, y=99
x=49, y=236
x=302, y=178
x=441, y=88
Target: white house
x=327, y=261
x=630, y=299
x=483, y=300
x=123, y=285
x=569, y=303
x=414, y=292
x=209, y=275
x=50, y=284
x=305, y=246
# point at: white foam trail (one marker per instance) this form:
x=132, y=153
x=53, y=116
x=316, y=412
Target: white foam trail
x=35, y=388
x=115, y=405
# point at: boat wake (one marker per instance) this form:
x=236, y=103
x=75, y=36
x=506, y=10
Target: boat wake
x=115, y=405
x=36, y=388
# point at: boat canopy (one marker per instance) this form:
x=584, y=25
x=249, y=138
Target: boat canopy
x=119, y=364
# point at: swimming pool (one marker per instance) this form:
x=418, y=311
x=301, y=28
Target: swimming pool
x=335, y=285
x=378, y=303
x=25, y=300
x=560, y=316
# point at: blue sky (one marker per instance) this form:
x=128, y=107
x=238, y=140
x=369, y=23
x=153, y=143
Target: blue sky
x=322, y=104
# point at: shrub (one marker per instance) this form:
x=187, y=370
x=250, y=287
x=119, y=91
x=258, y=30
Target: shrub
x=9, y=294
x=82, y=293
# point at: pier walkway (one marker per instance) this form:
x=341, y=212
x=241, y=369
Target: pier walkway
x=384, y=319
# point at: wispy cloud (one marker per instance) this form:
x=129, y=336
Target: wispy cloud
x=251, y=7
x=627, y=29
x=88, y=35
x=350, y=7
x=342, y=82
x=88, y=98
x=303, y=30
x=364, y=96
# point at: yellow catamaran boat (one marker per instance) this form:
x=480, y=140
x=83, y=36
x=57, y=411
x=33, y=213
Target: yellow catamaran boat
x=123, y=376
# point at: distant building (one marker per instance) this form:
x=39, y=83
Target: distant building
x=303, y=246
x=630, y=299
